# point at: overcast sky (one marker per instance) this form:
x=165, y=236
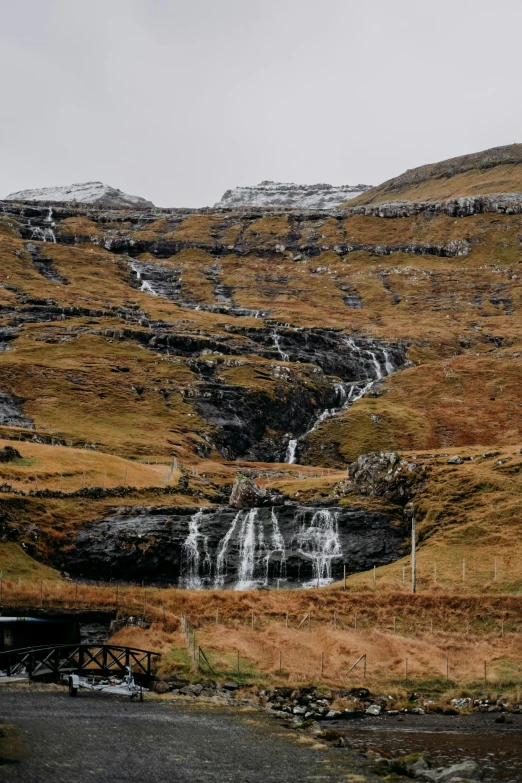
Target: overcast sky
x=178, y=100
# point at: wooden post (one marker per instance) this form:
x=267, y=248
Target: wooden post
x=495, y=577
x=431, y=624
x=344, y=570
x=467, y=626
x=217, y=616
x=413, y=555
x=286, y=620
x=394, y=625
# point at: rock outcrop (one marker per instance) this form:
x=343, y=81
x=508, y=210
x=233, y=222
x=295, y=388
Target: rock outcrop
x=246, y=494
x=216, y=547
x=385, y=475
x=82, y=193
x=290, y=196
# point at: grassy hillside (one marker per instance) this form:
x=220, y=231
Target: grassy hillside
x=85, y=362
x=497, y=170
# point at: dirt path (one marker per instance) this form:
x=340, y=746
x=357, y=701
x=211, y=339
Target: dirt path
x=97, y=737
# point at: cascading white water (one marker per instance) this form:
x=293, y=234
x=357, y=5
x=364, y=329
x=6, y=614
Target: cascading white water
x=290, y=451
x=190, y=566
x=278, y=545
x=221, y=563
x=388, y=366
x=376, y=364
x=319, y=542
x=255, y=550
x=249, y=542
x=277, y=345
x=355, y=390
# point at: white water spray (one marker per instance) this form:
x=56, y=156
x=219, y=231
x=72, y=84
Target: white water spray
x=319, y=542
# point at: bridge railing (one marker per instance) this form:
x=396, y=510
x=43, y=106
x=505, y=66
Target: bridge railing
x=82, y=658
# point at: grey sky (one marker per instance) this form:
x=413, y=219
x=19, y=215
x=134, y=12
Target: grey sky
x=178, y=100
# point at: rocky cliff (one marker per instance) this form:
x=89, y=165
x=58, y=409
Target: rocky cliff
x=228, y=548
x=290, y=196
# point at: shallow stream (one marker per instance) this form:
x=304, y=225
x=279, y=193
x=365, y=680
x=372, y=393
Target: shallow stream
x=449, y=740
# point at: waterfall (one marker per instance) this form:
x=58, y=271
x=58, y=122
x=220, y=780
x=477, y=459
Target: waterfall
x=247, y=550
x=356, y=390
x=277, y=345
x=290, y=451
x=387, y=363
x=378, y=369
x=190, y=571
x=278, y=545
x=255, y=550
x=319, y=542
x=221, y=563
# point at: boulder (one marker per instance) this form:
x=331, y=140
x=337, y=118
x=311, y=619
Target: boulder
x=246, y=494
x=373, y=709
x=384, y=474
x=455, y=460
x=161, y=687
x=468, y=771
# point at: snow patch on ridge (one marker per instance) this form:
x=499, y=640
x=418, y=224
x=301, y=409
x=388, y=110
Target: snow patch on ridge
x=287, y=194
x=82, y=193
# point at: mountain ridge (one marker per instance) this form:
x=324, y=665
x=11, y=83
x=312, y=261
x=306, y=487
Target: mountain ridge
x=82, y=193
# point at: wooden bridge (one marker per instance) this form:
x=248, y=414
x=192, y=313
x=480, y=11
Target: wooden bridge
x=53, y=661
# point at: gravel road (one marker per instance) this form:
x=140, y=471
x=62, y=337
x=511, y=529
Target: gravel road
x=98, y=737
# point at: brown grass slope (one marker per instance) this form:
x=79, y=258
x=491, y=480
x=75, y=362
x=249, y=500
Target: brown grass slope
x=496, y=170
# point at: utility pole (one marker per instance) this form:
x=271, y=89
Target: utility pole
x=413, y=553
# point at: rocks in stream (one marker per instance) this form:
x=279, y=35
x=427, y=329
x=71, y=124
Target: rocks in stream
x=224, y=547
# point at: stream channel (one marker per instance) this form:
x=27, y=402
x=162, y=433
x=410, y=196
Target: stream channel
x=447, y=740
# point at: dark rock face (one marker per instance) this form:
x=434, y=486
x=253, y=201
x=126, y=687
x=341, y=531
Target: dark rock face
x=384, y=474
x=43, y=264
x=225, y=547
x=11, y=413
